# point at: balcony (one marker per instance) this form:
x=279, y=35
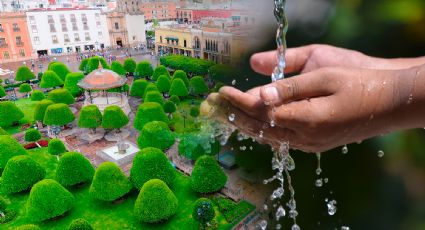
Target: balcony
x=210, y=51
x=67, y=40
x=63, y=20
x=50, y=21
x=16, y=29
x=196, y=48
x=19, y=44
x=77, y=40
x=3, y=45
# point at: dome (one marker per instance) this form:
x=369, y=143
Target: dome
x=102, y=79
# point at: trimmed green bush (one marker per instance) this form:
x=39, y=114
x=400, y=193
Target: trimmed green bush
x=48, y=199
x=188, y=64
x=93, y=63
x=24, y=74
x=156, y=134
x=130, y=65
x=80, y=224
x=50, y=80
x=178, y=88
x=109, y=182
x=147, y=112
x=73, y=168
x=198, y=86
x=3, y=132
x=114, y=118
x=71, y=83
x=207, y=176
x=21, y=173
x=25, y=88
x=118, y=68
x=58, y=114
x=56, y=147
x=159, y=71
x=2, y=91
x=151, y=163
x=28, y=227
x=175, y=99
x=203, y=211
x=37, y=95
x=90, y=117
x=163, y=83
x=138, y=88
x=84, y=65
x=40, y=109
x=154, y=96
x=60, y=69
x=61, y=96
x=155, y=202
x=169, y=107
x=180, y=74
x=9, y=114
x=144, y=69
x=150, y=88
x=32, y=135
x=194, y=111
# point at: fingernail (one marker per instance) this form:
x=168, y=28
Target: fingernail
x=271, y=94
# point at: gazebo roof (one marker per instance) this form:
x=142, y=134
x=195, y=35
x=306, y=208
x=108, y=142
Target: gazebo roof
x=102, y=79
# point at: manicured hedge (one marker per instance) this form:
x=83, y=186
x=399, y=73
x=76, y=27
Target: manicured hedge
x=2, y=92
x=154, y=96
x=60, y=69
x=21, y=173
x=56, y=147
x=151, y=163
x=159, y=71
x=28, y=227
x=48, y=199
x=163, y=83
x=90, y=117
x=203, y=211
x=25, y=88
x=138, y=88
x=58, y=114
x=143, y=69
x=178, y=88
x=175, y=99
x=93, y=63
x=32, y=135
x=147, y=112
x=150, y=88
x=156, y=134
x=73, y=168
x=194, y=111
x=61, y=96
x=83, y=65
x=118, y=68
x=71, y=83
x=198, y=86
x=187, y=64
x=37, y=95
x=50, y=80
x=130, y=65
x=9, y=114
x=24, y=74
x=169, y=107
x=114, y=118
x=180, y=74
x=40, y=109
x=80, y=224
x=155, y=203
x=207, y=176
x=231, y=211
x=9, y=148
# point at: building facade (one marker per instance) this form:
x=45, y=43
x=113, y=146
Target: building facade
x=67, y=30
x=174, y=40
x=126, y=29
x=15, y=42
x=161, y=11
x=187, y=15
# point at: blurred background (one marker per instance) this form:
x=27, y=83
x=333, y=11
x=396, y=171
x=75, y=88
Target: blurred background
x=371, y=192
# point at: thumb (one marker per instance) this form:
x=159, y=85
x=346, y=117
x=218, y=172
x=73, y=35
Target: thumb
x=309, y=85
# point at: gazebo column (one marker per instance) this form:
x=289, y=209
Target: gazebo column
x=91, y=98
x=106, y=94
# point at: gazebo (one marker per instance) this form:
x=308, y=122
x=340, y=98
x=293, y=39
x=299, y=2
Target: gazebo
x=96, y=85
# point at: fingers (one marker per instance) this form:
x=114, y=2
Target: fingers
x=246, y=102
x=265, y=62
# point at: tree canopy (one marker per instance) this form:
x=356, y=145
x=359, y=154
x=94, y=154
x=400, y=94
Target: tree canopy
x=9, y=114
x=24, y=74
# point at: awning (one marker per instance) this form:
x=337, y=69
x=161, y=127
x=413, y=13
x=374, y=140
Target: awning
x=172, y=38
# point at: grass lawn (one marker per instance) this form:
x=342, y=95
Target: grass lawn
x=105, y=215
x=27, y=106
x=180, y=124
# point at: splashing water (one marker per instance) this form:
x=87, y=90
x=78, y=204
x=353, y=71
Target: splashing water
x=318, y=169
x=344, y=149
x=345, y=228
x=381, y=153
x=232, y=117
x=331, y=207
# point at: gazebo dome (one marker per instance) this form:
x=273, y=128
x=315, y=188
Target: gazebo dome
x=102, y=79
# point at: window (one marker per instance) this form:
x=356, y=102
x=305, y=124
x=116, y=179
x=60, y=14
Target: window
x=87, y=36
x=96, y=15
x=134, y=38
x=64, y=28
x=74, y=26
x=98, y=23
x=1, y=28
x=34, y=28
x=117, y=26
x=6, y=55
x=160, y=39
x=50, y=19
x=73, y=19
x=19, y=41
x=84, y=17
x=184, y=43
x=32, y=19
x=15, y=27
x=55, y=39
x=99, y=34
x=85, y=26
x=62, y=18
x=22, y=52
x=3, y=42
x=36, y=40
x=52, y=28
x=66, y=38
x=77, y=37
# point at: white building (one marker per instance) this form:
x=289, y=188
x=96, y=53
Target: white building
x=126, y=29
x=66, y=30
x=21, y=5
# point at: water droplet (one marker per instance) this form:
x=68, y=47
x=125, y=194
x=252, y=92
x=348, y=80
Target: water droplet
x=331, y=207
x=265, y=207
x=265, y=181
x=234, y=82
x=384, y=83
x=289, y=162
x=326, y=180
x=272, y=123
x=318, y=171
x=380, y=153
x=319, y=182
x=251, y=148
x=293, y=213
x=345, y=228
x=263, y=224
x=410, y=100
x=246, y=79
x=280, y=212
x=231, y=117
x=261, y=134
x=240, y=137
x=292, y=204
x=344, y=149
x=278, y=226
x=278, y=193
x=243, y=148
x=295, y=227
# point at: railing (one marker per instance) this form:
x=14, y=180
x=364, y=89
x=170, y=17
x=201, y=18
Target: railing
x=196, y=48
x=19, y=44
x=3, y=45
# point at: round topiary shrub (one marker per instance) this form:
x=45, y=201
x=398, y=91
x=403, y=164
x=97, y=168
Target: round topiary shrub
x=40, y=109
x=143, y=69
x=194, y=111
x=163, y=83
x=25, y=88
x=56, y=147
x=71, y=83
x=2, y=92
x=138, y=88
x=80, y=224
x=150, y=88
x=3, y=132
x=48, y=199
x=37, y=95
x=28, y=227
x=24, y=74
x=155, y=202
x=58, y=114
x=178, y=88
x=90, y=117
x=84, y=65
x=114, y=118
x=61, y=96
x=180, y=74
x=93, y=63
x=160, y=70
x=203, y=211
x=198, y=86
x=175, y=99
x=207, y=176
x=9, y=114
x=130, y=65
x=151, y=163
x=60, y=69
x=147, y=112
x=154, y=96
x=109, y=182
x=73, y=168
x=50, y=80
x=9, y=148
x=118, y=68
x=7, y=214
x=169, y=107
x=21, y=173
x=156, y=134
x=32, y=135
